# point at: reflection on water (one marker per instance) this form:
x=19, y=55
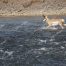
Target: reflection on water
x=23, y=42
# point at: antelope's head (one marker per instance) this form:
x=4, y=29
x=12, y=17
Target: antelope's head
x=45, y=18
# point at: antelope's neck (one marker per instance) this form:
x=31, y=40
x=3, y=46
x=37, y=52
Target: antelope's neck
x=47, y=19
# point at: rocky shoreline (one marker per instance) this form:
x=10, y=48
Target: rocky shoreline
x=32, y=7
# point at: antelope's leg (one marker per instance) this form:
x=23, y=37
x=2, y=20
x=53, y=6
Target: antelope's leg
x=61, y=26
x=48, y=27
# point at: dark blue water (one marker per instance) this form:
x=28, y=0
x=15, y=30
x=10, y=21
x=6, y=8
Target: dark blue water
x=23, y=42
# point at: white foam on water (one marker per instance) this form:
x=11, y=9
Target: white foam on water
x=52, y=28
x=21, y=45
x=43, y=41
x=56, y=43
x=24, y=23
x=47, y=52
x=62, y=47
x=2, y=25
x=9, y=53
x=36, y=52
x=64, y=42
x=52, y=39
x=3, y=42
x=18, y=27
x=43, y=27
x=1, y=50
x=43, y=48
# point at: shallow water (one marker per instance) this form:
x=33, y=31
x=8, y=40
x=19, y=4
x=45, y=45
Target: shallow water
x=24, y=42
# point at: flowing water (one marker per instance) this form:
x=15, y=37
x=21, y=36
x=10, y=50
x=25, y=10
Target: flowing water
x=24, y=42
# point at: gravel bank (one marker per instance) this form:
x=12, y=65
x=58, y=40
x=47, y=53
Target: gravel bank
x=32, y=7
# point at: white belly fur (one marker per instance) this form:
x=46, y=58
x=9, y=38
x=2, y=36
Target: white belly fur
x=55, y=23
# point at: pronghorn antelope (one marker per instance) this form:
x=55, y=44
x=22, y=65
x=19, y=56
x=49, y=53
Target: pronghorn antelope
x=54, y=22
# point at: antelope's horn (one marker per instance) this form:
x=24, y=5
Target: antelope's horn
x=43, y=16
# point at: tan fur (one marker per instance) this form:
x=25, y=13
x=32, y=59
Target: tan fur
x=50, y=22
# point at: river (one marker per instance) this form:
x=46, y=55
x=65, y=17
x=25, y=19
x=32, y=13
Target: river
x=23, y=42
